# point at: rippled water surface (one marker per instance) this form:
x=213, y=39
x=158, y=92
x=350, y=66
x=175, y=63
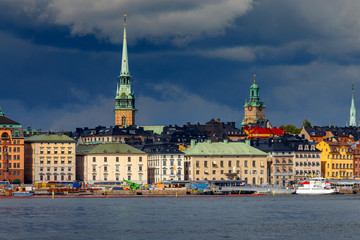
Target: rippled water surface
x=252, y=217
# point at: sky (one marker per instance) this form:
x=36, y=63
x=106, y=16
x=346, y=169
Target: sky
x=190, y=61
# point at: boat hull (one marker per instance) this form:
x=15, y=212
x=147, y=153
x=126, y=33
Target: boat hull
x=316, y=192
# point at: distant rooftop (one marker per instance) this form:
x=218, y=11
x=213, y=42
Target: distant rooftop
x=50, y=138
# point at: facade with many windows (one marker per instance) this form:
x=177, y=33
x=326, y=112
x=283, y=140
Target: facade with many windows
x=336, y=159
x=11, y=150
x=49, y=158
x=111, y=162
x=225, y=160
x=165, y=162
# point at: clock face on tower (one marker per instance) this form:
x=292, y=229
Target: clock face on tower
x=249, y=107
x=123, y=95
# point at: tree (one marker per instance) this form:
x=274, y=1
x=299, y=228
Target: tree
x=306, y=123
x=291, y=129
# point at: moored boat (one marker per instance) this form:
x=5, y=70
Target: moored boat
x=316, y=186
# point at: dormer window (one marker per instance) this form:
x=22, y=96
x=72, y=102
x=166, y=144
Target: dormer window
x=300, y=147
x=306, y=147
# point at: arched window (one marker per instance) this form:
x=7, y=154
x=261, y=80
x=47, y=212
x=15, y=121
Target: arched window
x=123, y=120
x=254, y=181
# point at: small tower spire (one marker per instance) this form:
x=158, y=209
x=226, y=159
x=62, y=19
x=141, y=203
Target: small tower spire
x=254, y=77
x=124, y=61
x=352, y=122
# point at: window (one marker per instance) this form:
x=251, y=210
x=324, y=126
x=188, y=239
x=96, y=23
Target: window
x=229, y=163
x=246, y=171
x=48, y=169
x=254, y=163
x=105, y=159
x=221, y=163
x=55, y=150
x=69, y=150
x=129, y=159
x=94, y=159
x=55, y=169
x=140, y=168
x=48, y=150
x=62, y=160
x=94, y=168
x=117, y=159
x=238, y=163
x=205, y=164
x=69, y=160
x=9, y=165
x=129, y=177
x=48, y=160
x=69, y=169
x=117, y=168
x=62, y=169
x=55, y=160
x=105, y=168
x=164, y=171
x=140, y=159
x=62, y=150
x=245, y=163
x=197, y=164
x=179, y=162
x=129, y=168
x=117, y=177
x=164, y=162
x=41, y=169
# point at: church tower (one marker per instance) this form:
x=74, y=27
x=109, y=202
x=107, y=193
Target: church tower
x=352, y=122
x=124, y=100
x=254, y=108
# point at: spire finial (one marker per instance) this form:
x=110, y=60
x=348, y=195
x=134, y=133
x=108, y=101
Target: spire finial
x=352, y=86
x=254, y=77
x=125, y=19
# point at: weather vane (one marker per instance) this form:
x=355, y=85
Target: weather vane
x=125, y=19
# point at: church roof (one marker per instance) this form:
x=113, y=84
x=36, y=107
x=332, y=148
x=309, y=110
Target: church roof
x=4, y=120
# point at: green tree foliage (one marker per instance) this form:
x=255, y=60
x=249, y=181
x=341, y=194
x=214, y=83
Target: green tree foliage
x=306, y=123
x=291, y=129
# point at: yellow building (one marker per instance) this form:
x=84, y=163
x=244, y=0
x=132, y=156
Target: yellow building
x=336, y=159
x=49, y=158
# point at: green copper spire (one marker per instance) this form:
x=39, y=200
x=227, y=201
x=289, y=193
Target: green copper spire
x=124, y=95
x=124, y=61
x=1, y=113
x=352, y=122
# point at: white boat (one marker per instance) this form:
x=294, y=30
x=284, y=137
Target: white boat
x=316, y=186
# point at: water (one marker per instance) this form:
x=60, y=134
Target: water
x=253, y=217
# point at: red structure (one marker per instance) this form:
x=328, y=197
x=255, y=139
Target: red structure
x=258, y=132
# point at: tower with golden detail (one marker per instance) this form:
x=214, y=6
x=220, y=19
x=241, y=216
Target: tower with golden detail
x=124, y=100
x=254, y=108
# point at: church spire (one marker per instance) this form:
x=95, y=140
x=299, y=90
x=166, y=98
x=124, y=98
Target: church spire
x=352, y=122
x=124, y=99
x=124, y=61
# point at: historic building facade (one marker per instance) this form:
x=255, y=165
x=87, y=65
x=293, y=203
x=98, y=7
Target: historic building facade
x=224, y=160
x=110, y=162
x=254, y=108
x=165, y=162
x=124, y=99
x=336, y=159
x=11, y=150
x=49, y=158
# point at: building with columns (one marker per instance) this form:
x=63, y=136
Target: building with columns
x=254, y=108
x=124, y=99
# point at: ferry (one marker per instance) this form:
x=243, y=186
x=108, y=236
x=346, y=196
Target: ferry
x=316, y=186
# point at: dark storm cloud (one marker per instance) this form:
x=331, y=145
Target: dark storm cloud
x=195, y=59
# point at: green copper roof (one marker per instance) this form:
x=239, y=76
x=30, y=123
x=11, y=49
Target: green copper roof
x=224, y=148
x=49, y=138
x=155, y=129
x=124, y=61
x=108, y=148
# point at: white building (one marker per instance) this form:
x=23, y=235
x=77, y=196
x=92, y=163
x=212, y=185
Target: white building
x=165, y=162
x=111, y=162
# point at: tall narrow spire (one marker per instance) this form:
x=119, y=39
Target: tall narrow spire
x=124, y=61
x=124, y=99
x=352, y=122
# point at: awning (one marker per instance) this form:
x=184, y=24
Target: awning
x=304, y=182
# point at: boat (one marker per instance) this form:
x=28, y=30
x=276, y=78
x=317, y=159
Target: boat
x=23, y=194
x=316, y=186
